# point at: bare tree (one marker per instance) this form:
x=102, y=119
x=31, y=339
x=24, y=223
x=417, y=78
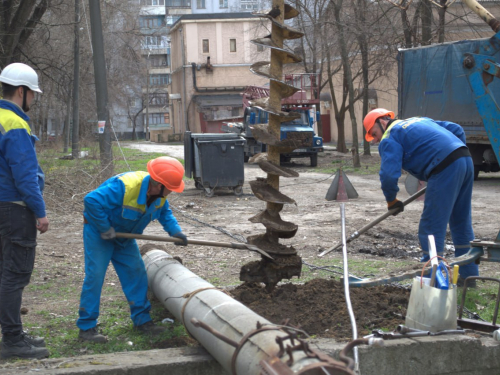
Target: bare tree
x=358, y=53
x=18, y=20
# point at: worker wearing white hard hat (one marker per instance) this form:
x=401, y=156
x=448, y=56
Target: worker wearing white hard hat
x=22, y=208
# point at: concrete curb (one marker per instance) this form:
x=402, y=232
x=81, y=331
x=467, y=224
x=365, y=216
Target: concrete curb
x=438, y=355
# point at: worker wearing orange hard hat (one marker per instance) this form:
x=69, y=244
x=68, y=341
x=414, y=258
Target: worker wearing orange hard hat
x=436, y=152
x=126, y=203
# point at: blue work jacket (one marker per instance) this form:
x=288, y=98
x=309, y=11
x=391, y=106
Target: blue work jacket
x=21, y=177
x=120, y=202
x=417, y=145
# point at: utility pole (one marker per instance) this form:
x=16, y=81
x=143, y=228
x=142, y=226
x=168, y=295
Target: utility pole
x=101, y=89
x=147, y=100
x=67, y=120
x=75, y=143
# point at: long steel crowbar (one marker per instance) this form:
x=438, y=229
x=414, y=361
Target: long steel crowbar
x=233, y=245
x=375, y=222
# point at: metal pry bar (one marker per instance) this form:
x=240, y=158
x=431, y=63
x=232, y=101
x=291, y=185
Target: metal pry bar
x=375, y=222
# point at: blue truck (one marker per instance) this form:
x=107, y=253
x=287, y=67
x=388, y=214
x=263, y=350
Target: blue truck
x=302, y=124
x=456, y=82
x=304, y=102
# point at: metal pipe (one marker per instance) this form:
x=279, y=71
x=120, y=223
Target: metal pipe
x=193, y=300
x=483, y=14
x=346, y=288
x=184, y=98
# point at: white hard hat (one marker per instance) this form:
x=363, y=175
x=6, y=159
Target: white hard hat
x=19, y=74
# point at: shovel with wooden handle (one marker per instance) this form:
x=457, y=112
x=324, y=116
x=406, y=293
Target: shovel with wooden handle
x=375, y=222
x=233, y=245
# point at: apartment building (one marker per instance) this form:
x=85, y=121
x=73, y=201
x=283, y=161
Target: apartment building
x=211, y=57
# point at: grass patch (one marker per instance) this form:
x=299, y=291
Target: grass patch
x=125, y=160
x=347, y=167
x=61, y=332
x=333, y=268
x=481, y=300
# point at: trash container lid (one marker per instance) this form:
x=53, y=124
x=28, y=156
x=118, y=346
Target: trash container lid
x=212, y=136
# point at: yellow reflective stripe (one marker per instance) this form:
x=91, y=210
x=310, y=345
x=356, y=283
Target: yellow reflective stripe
x=388, y=130
x=10, y=121
x=133, y=182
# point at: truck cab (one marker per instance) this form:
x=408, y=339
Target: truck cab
x=305, y=123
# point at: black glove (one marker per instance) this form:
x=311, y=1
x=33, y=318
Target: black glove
x=109, y=234
x=183, y=237
x=396, y=204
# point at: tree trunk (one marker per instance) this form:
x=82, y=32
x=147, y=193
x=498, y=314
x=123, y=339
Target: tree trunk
x=426, y=22
x=341, y=146
x=442, y=18
x=75, y=139
x=414, y=24
x=406, y=28
x=348, y=77
x=67, y=128
x=363, y=46
x=17, y=23
x=340, y=120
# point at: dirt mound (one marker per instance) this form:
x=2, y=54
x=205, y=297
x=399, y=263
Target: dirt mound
x=319, y=306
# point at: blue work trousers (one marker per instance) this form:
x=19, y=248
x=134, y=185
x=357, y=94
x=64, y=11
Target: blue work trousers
x=17, y=259
x=130, y=269
x=448, y=200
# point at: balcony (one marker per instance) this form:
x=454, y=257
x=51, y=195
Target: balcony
x=178, y=3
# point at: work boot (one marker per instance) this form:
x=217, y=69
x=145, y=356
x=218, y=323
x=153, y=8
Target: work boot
x=92, y=335
x=19, y=347
x=39, y=342
x=150, y=328
x=470, y=284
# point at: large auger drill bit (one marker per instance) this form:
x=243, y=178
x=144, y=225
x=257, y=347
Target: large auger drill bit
x=286, y=263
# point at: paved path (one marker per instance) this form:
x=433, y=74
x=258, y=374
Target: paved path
x=176, y=151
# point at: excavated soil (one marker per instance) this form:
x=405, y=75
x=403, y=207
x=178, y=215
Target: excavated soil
x=319, y=306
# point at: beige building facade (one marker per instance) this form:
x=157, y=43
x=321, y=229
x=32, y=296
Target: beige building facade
x=211, y=59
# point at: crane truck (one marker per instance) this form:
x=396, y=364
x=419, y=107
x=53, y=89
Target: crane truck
x=304, y=102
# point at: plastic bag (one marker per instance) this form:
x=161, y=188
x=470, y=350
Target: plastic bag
x=431, y=309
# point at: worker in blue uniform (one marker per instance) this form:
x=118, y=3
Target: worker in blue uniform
x=125, y=203
x=432, y=151
x=22, y=208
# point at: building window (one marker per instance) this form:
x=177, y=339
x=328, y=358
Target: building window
x=154, y=42
x=260, y=48
x=178, y=3
x=159, y=79
x=152, y=22
x=200, y=4
x=232, y=45
x=248, y=5
x=206, y=46
x=222, y=4
x=158, y=61
x=152, y=2
x=159, y=118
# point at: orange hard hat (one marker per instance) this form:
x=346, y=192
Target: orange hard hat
x=372, y=117
x=167, y=171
